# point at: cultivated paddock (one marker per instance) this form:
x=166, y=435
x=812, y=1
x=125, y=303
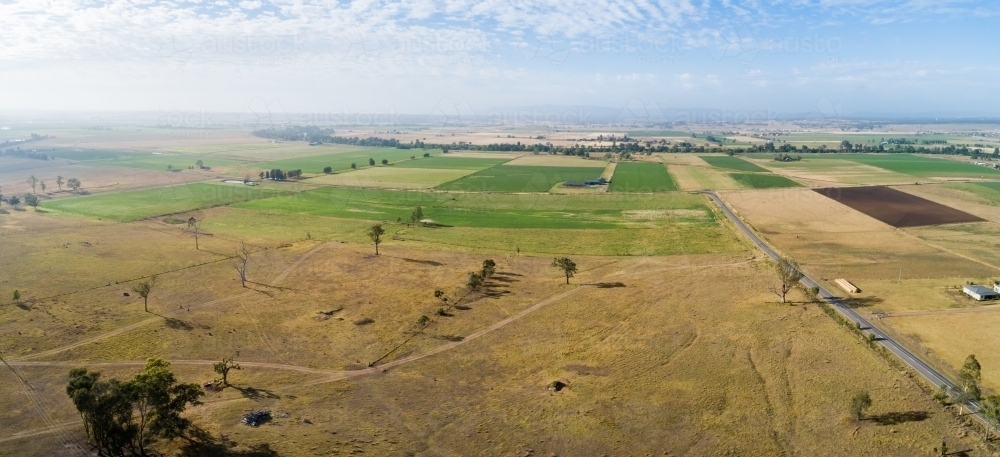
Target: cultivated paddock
x=896, y=208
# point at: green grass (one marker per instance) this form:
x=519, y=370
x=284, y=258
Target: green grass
x=161, y=162
x=518, y=178
x=763, y=180
x=540, y=211
x=342, y=161
x=924, y=167
x=453, y=163
x=146, y=203
x=731, y=163
x=94, y=154
x=641, y=177
x=648, y=133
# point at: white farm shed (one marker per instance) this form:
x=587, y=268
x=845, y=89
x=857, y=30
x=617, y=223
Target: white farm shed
x=980, y=293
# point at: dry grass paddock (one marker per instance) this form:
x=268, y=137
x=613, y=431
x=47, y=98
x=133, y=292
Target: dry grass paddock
x=913, y=274
x=650, y=364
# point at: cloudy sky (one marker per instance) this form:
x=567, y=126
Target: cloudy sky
x=372, y=57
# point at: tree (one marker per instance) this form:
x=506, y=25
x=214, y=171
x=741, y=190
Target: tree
x=196, y=231
x=242, y=262
x=74, y=184
x=224, y=367
x=42, y=183
x=371, y=162
x=144, y=289
x=31, y=200
x=859, y=404
x=200, y=164
x=354, y=165
x=14, y=201
x=122, y=418
x=385, y=162
x=417, y=215
x=59, y=182
x=567, y=266
x=375, y=233
x=32, y=181
x=17, y=296
x=788, y=274
x=990, y=408
x=968, y=382
x=327, y=170
x=475, y=280
x=489, y=267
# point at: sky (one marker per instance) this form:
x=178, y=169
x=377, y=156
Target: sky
x=373, y=61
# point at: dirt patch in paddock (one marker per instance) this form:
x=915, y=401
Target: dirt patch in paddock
x=896, y=208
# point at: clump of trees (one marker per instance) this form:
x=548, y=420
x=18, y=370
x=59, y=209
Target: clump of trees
x=74, y=184
x=32, y=201
x=278, y=175
x=327, y=170
x=124, y=417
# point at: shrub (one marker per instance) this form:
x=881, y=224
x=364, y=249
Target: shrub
x=354, y=165
x=385, y=162
x=327, y=170
x=427, y=154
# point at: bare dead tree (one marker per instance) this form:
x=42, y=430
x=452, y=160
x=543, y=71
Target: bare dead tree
x=196, y=230
x=242, y=261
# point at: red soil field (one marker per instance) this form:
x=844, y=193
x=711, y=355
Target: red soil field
x=896, y=208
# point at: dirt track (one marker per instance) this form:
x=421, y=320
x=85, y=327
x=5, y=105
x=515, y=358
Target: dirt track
x=896, y=208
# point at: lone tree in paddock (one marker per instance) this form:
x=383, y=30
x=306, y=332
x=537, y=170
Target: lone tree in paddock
x=74, y=184
x=143, y=289
x=224, y=367
x=59, y=182
x=860, y=403
x=417, y=215
x=375, y=233
x=788, y=275
x=242, y=262
x=567, y=266
x=32, y=181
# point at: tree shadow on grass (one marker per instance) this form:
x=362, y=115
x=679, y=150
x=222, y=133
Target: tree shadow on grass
x=23, y=306
x=609, y=285
x=863, y=302
x=253, y=393
x=423, y=262
x=201, y=443
x=177, y=324
x=895, y=418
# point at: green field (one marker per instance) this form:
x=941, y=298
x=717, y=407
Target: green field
x=142, y=204
x=343, y=160
x=763, y=180
x=452, y=163
x=161, y=162
x=641, y=177
x=521, y=178
x=923, y=167
x=94, y=154
x=731, y=163
x=593, y=211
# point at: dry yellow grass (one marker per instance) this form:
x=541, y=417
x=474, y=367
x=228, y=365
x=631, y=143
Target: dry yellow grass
x=799, y=211
x=547, y=160
x=950, y=338
x=392, y=178
x=653, y=365
x=697, y=177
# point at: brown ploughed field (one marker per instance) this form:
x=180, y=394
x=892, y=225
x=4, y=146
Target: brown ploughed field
x=898, y=209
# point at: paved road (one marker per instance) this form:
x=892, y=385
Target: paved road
x=925, y=370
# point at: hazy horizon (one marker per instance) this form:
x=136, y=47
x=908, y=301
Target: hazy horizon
x=740, y=59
